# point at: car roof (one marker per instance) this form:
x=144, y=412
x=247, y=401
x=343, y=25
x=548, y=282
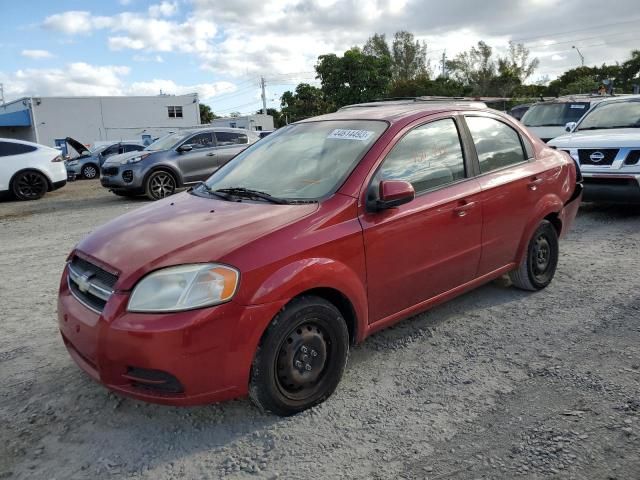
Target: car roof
x=395, y=110
x=190, y=131
x=627, y=98
x=583, y=98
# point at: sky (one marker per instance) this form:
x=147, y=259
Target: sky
x=221, y=49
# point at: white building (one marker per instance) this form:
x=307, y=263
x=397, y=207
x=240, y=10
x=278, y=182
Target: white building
x=49, y=120
x=257, y=122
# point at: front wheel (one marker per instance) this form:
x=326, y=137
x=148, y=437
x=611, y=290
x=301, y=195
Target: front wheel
x=159, y=185
x=539, y=265
x=301, y=357
x=90, y=171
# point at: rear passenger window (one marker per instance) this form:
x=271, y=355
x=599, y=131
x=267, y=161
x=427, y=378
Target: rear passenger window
x=428, y=157
x=230, y=138
x=10, y=148
x=497, y=144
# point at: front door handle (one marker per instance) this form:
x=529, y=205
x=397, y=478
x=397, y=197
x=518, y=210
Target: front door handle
x=211, y=154
x=533, y=185
x=463, y=209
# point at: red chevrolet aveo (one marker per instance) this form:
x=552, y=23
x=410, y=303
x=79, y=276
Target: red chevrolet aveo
x=258, y=280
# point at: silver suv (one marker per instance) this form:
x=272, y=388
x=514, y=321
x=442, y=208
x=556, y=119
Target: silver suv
x=606, y=144
x=174, y=161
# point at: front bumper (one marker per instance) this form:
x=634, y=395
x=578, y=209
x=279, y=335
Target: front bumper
x=207, y=351
x=611, y=187
x=123, y=177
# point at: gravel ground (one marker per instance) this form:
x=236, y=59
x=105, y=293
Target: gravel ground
x=498, y=383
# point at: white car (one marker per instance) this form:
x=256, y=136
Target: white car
x=29, y=170
x=606, y=144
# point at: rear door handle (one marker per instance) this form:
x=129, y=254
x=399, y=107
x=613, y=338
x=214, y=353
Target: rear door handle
x=463, y=209
x=533, y=185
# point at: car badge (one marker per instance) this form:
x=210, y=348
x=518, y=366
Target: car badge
x=596, y=157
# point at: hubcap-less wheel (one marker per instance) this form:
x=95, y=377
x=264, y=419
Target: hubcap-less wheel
x=161, y=185
x=541, y=256
x=302, y=360
x=539, y=266
x=301, y=357
x=89, y=171
x=30, y=186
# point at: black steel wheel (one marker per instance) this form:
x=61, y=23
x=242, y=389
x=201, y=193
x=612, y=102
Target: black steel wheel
x=90, y=171
x=301, y=357
x=539, y=266
x=29, y=185
x=160, y=184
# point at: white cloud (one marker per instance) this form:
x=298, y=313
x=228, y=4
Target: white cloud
x=36, y=54
x=76, y=22
x=164, y=9
x=556, y=58
x=79, y=79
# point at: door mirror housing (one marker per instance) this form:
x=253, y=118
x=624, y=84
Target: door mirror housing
x=185, y=148
x=394, y=193
x=570, y=127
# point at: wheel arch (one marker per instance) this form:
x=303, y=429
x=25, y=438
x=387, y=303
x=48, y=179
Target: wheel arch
x=31, y=169
x=547, y=208
x=166, y=168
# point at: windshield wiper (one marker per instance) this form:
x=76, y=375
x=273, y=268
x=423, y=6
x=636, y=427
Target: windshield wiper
x=609, y=128
x=251, y=194
x=206, y=189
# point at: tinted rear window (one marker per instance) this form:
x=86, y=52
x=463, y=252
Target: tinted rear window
x=10, y=148
x=554, y=114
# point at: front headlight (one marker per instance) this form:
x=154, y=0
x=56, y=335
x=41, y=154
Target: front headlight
x=184, y=287
x=135, y=159
x=72, y=163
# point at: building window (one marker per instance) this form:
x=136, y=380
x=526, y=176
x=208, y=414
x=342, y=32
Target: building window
x=175, y=112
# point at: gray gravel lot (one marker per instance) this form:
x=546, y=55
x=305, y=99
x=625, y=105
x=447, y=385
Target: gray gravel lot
x=498, y=383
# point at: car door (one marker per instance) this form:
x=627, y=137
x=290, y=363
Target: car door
x=229, y=144
x=432, y=244
x=198, y=163
x=512, y=183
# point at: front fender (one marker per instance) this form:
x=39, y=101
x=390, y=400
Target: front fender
x=307, y=274
x=547, y=205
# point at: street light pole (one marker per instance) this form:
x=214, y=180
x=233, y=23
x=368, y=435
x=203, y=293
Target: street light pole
x=581, y=56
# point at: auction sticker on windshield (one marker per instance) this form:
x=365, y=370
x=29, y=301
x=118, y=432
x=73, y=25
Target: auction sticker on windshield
x=347, y=134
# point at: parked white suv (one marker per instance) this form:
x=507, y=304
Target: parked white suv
x=29, y=170
x=606, y=144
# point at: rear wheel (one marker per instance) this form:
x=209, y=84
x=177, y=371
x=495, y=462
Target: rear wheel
x=89, y=171
x=301, y=358
x=539, y=265
x=160, y=184
x=29, y=185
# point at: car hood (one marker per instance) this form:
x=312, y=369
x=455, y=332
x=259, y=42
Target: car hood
x=118, y=158
x=612, y=138
x=183, y=229
x=77, y=146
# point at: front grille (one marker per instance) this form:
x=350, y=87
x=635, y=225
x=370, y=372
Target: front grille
x=109, y=171
x=127, y=176
x=90, y=284
x=606, y=156
x=632, y=158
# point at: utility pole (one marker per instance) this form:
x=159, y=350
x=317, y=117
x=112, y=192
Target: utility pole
x=264, y=97
x=444, y=60
x=581, y=56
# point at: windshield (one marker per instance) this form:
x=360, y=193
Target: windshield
x=166, y=142
x=554, y=114
x=98, y=148
x=612, y=115
x=304, y=161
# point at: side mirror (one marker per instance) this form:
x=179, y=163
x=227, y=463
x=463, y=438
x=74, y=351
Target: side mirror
x=185, y=148
x=570, y=126
x=394, y=193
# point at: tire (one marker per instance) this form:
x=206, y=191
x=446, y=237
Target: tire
x=160, y=184
x=539, y=265
x=301, y=357
x=90, y=171
x=29, y=185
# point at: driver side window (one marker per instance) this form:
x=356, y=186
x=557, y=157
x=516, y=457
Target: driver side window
x=428, y=157
x=201, y=140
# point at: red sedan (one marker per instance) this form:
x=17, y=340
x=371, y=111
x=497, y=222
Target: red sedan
x=258, y=280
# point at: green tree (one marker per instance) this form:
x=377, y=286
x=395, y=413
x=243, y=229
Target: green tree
x=409, y=57
x=377, y=46
x=206, y=114
x=306, y=101
x=353, y=78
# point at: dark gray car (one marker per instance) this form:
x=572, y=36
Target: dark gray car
x=174, y=161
